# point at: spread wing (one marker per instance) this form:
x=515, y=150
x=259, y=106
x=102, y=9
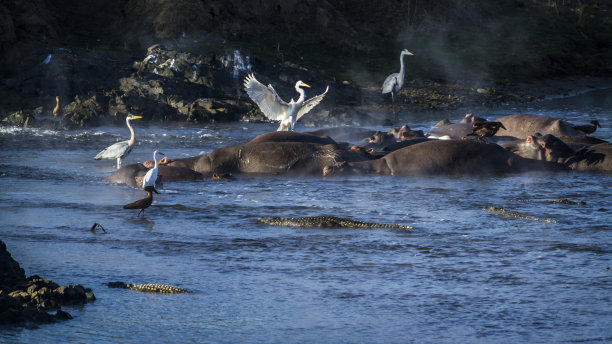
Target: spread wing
x=310, y=104
x=266, y=98
x=114, y=151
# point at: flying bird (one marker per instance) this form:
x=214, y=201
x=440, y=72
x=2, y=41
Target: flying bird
x=120, y=149
x=277, y=109
x=394, y=82
x=588, y=128
x=151, y=176
x=142, y=204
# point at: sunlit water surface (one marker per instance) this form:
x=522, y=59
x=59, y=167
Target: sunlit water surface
x=462, y=275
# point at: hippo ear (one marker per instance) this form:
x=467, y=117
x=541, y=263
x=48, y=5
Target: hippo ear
x=164, y=161
x=529, y=140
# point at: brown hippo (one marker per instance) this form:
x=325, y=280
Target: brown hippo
x=523, y=125
x=471, y=119
x=405, y=133
x=444, y=157
x=132, y=174
x=344, y=134
x=452, y=130
x=292, y=136
x=596, y=157
x=269, y=158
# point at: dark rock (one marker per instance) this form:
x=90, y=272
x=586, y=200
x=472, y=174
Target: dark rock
x=26, y=301
x=61, y=315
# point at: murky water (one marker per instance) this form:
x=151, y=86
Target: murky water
x=463, y=274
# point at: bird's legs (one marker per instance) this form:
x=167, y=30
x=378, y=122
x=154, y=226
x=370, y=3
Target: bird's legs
x=141, y=211
x=118, y=163
x=393, y=107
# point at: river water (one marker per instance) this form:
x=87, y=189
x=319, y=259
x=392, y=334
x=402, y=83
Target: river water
x=463, y=274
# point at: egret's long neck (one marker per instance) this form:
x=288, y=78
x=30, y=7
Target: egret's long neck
x=132, y=138
x=302, y=94
x=401, y=73
x=155, y=159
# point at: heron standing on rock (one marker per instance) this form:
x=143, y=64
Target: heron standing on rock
x=277, y=109
x=120, y=149
x=394, y=82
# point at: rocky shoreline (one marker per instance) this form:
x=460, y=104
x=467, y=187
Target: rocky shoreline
x=28, y=301
x=168, y=85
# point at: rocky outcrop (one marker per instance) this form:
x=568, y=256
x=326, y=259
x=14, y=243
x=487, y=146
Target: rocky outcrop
x=324, y=221
x=29, y=300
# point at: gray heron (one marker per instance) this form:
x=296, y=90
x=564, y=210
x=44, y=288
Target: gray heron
x=277, y=109
x=394, y=82
x=120, y=149
x=151, y=176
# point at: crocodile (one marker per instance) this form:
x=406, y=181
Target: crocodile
x=555, y=201
x=325, y=221
x=504, y=212
x=150, y=288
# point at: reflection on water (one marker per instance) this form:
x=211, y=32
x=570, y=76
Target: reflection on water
x=463, y=274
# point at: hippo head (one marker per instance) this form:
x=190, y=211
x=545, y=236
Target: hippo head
x=342, y=168
x=381, y=138
x=554, y=149
x=538, y=147
x=471, y=119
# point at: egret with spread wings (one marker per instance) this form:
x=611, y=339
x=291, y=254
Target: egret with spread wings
x=277, y=109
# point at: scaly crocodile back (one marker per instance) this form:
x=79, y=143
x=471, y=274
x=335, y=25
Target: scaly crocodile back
x=324, y=221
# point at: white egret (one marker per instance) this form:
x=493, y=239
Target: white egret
x=394, y=82
x=277, y=109
x=151, y=176
x=120, y=149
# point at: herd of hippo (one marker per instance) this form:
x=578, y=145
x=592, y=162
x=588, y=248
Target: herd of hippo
x=522, y=143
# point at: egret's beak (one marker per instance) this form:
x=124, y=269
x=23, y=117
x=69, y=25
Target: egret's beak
x=409, y=53
x=136, y=117
x=161, y=153
x=303, y=84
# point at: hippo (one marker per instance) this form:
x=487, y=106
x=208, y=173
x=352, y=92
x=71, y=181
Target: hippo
x=405, y=133
x=344, y=134
x=292, y=136
x=596, y=157
x=132, y=174
x=523, y=125
x=300, y=158
x=452, y=130
x=444, y=157
x=471, y=119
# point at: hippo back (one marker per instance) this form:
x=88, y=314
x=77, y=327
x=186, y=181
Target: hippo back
x=523, y=125
x=292, y=136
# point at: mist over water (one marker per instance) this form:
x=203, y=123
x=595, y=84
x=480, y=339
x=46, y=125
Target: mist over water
x=463, y=274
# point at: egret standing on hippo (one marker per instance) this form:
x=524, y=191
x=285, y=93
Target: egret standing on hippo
x=277, y=109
